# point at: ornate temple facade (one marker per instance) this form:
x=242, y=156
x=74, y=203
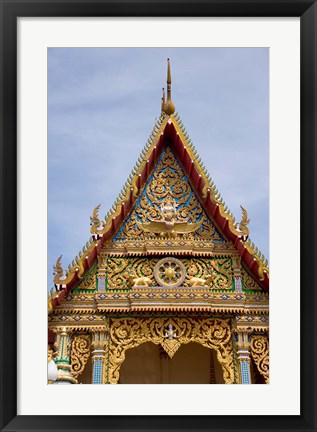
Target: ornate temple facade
x=169, y=288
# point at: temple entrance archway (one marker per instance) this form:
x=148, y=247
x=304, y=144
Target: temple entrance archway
x=170, y=334
x=192, y=364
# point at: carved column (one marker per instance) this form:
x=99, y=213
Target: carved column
x=79, y=354
x=237, y=276
x=243, y=353
x=99, y=340
x=62, y=360
x=260, y=354
x=101, y=274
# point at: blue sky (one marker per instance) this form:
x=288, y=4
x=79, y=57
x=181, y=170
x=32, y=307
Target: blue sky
x=102, y=105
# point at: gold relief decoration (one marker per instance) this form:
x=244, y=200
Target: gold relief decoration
x=127, y=333
x=119, y=270
x=216, y=272
x=196, y=282
x=167, y=189
x=170, y=346
x=139, y=281
x=248, y=282
x=117, y=273
x=82, y=311
x=89, y=281
x=172, y=246
x=259, y=349
x=80, y=351
x=169, y=272
x=168, y=225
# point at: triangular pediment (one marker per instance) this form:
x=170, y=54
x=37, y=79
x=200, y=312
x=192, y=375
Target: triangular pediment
x=168, y=183
x=168, y=171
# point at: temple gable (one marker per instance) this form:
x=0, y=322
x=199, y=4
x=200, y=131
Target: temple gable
x=168, y=184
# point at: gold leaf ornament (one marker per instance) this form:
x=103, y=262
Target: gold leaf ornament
x=259, y=348
x=80, y=351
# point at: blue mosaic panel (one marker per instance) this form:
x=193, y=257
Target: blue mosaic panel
x=245, y=372
x=97, y=372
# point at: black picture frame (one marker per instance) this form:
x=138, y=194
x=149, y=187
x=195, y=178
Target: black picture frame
x=10, y=11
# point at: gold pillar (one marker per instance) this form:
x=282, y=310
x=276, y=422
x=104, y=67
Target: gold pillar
x=62, y=361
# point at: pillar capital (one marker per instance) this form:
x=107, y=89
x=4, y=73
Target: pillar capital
x=243, y=339
x=99, y=338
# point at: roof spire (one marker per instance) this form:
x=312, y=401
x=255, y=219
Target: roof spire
x=163, y=99
x=169, y=107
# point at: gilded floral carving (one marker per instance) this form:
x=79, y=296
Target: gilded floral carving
x=248, y=282
x=89, y=281
x=259, y=348
x=119, y=269
x=79, y=354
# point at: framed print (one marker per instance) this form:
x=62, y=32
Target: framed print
x=119, y=314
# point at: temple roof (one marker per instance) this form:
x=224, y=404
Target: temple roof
x=168, y=132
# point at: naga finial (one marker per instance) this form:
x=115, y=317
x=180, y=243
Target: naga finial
x=163, y=100
x=242, y=225
x=58, y=270
x=169, y=107
x=94, y=220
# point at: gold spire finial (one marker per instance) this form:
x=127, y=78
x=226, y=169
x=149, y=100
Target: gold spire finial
x=169, y=107
x=163, y=99
x=169, y=79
